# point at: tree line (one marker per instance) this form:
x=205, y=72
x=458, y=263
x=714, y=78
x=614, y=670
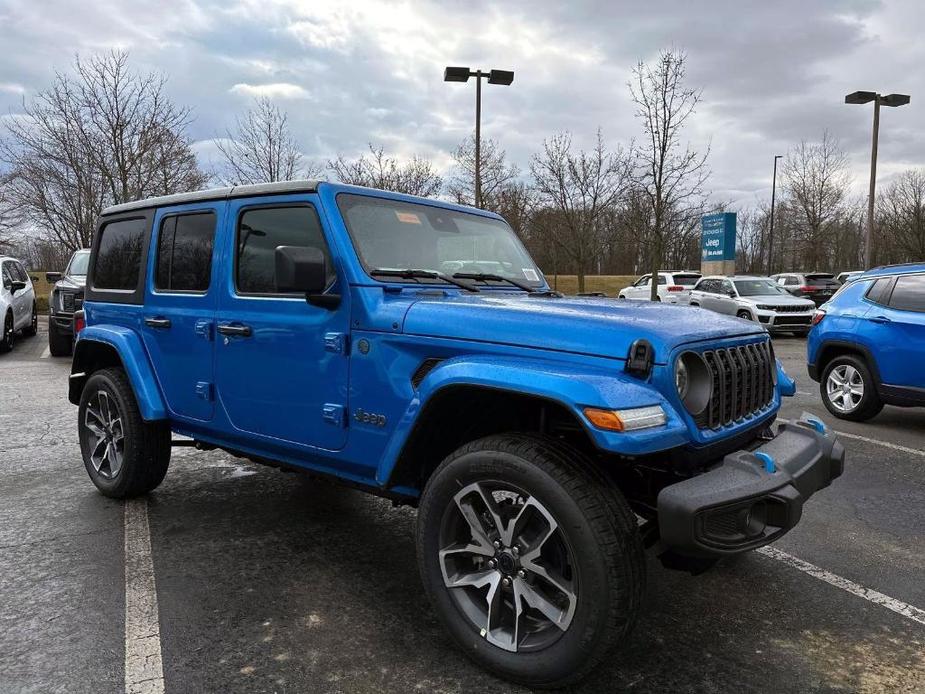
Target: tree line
x=103, y=134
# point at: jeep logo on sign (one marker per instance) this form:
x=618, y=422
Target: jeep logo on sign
x=364, y=417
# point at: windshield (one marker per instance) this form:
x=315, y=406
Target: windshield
x=78, y=264
x=394, y=235
x=759, y=288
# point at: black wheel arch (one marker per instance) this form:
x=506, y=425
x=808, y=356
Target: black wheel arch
x=837, y=348
x=90, y=356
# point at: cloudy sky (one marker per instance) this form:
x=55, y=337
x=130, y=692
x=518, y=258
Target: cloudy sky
x=360, y=71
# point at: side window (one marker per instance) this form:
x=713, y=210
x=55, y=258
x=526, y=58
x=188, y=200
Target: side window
x=184, y=252
x=7, y=277
x=642, y=281
x=709, y=286
x=19, y=273
x=879, y=291
x=909, y=293
x=727, y=287
x=118, y=256
x=662, y=280
x=261, y=231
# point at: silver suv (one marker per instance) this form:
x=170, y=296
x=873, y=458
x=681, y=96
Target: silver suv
x=757, y=299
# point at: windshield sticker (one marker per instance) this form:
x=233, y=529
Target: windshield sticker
x=530, y=274
x=407, y=217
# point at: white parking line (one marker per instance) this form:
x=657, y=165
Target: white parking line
x=897, y=606
x=144, y=671
x=45, y=354
x=876, y=442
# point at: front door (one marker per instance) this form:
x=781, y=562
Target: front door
x=281, y=362
x=180, y=304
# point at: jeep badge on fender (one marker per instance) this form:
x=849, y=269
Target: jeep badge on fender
x=531, y=430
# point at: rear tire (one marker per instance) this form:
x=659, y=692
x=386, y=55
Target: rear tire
x=58, y=345
x=860, y=401
x=7, y=338
x=746, y=315
x=33, y=327
x=592, y=569
x=125, y=456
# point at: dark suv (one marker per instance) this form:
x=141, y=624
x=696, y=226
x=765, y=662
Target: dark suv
x=412, y=348
x=818, y=286
x=67, y=296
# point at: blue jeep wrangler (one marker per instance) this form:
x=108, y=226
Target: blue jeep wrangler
x=413, y=349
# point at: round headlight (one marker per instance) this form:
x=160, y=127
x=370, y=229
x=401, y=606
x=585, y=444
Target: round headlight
x=681, y=380
x=694, y=382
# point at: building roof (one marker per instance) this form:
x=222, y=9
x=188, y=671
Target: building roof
x=216, y=194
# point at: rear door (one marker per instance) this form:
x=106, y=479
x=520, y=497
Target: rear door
x=180, y=305
x=896, y=332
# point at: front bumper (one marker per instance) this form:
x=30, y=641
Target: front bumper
x=776, y=322
x=741, y=504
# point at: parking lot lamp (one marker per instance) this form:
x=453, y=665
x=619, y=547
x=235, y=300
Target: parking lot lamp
x=462, y=74
x=888, y=100
x=773, y=202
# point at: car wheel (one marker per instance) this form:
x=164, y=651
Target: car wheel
x=58, y=345
x=124, y=455
x=744, y=314
x=530, y=557
x=848, y=389
x=32, y=329
x=622, y=297
x=6, y=340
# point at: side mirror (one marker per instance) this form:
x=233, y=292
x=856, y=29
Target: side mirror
x=304, y=269
x=17, y=285
x=732, y=294
x=52, y=277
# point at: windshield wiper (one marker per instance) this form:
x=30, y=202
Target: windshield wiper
x=489, y=277
x=414, y=274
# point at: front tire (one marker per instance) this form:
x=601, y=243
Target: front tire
x=32, y=329
x=848, y=389
x=58, y=345
x=125, y=456
x=531, y=558
x=7, y=338
x=744, y=314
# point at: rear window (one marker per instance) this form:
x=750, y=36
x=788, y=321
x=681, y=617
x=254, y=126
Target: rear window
x=909, y=293
x=819, y=280
x=118, y=256
x=686, y=280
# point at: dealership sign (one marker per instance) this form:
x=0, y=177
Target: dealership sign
x=718, y=241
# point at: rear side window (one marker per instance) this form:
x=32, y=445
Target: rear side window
x=184, y=253
x=879, y=291
x=118, y=256
x=261, y=231
x=909, y=293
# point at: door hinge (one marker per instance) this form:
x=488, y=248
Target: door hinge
x=203, y=329
x=335, y=342
x=204, y=390
x=334, y=414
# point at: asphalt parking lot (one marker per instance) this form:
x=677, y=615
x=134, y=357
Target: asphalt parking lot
x=270, y=582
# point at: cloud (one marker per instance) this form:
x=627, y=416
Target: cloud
x=276, y=90
x=12, y=88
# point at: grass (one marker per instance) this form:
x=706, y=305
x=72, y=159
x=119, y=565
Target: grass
x=609, y=284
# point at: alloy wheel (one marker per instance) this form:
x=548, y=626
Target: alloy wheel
x=508, y=566
x=845, y=388
x=106, y=440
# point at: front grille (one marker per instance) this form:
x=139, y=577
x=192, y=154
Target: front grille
x=743, y=383
x=789, y=309
x=71, y=302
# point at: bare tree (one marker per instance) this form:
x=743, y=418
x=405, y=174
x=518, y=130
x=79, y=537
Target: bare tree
x=816, y=182
x=261, y=149
x=901, y=218
x=375, y=170
x=98, y=136
x=578, y=189
x=495, y=172
x=9, y=215
x=668, y=173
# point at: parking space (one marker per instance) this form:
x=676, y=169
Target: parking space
x=269, y=582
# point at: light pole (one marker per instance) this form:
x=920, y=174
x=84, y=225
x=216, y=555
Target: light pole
x=462, y=74
x=888, y=100
x=773, y=198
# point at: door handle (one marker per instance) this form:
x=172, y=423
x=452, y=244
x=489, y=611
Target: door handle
x=880, y=319
x=162, y=323
x=238, y=330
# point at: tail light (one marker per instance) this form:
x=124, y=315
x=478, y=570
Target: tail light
x=809, y=289
x=80, y=321
x=818, y=316
x=675, y=288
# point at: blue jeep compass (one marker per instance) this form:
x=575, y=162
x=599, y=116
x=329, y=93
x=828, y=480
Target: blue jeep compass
x=867, y=347
x=412, y=348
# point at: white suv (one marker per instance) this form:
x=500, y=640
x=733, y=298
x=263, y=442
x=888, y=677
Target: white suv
x=673, y=287
x=17, y=303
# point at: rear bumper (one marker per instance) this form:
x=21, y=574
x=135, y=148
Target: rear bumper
x=740, y=504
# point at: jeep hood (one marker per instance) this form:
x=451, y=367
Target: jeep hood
x=601, y=327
